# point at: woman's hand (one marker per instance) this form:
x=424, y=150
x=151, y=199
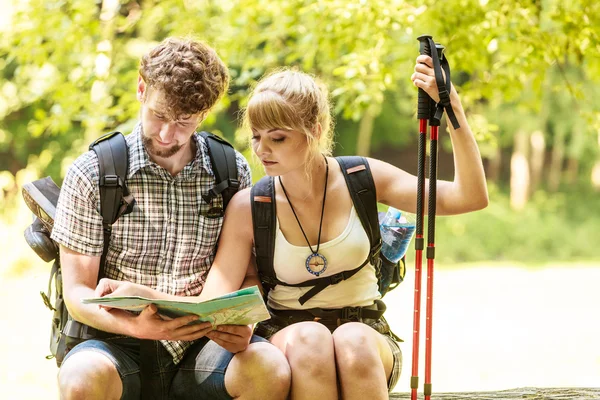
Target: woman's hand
x=424, y=77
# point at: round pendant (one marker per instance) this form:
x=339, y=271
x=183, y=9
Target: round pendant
x=316, y=264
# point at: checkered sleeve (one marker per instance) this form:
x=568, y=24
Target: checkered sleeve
x=77, y=223
x=244, y=172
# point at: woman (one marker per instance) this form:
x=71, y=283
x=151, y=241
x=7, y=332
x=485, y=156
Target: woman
x=289, y=117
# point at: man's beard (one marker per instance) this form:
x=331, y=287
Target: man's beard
x=159, y=152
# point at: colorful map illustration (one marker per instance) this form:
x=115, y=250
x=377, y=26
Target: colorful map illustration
x=243, y=307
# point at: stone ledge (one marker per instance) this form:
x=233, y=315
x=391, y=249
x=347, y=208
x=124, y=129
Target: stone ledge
x=514, y=394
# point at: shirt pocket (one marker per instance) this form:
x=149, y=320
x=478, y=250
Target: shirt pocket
x=204, y=236
x=138, y=235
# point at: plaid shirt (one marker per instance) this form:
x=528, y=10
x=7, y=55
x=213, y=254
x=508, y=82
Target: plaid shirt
x=167, y=242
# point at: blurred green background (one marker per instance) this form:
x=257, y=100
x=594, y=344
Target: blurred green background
x=528, y=73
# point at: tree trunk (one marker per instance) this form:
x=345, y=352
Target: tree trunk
x=595, y=175
x=365, y=131
x=519, y=172
x=558, y=154
x=538, y=149
x=574, y=152
x=572, y=169
x=495, y=162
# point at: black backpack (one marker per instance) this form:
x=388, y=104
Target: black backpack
x=41, y=197
x=362, y=191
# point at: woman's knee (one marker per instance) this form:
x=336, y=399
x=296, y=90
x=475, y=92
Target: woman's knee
x=89, y=375
x=308, y=335
x=356, y=346
x=309, y=340
x=308, y=347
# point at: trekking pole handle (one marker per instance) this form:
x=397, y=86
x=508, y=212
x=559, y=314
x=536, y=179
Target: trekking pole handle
x=424, y=101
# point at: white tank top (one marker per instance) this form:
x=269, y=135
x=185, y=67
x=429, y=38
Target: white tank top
x=345, y=252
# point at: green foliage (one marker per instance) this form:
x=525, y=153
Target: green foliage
x=69, y=69
x=551, y=228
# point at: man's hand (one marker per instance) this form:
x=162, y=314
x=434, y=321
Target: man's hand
x=150, y=325
x=121, y=288
x=233, y=338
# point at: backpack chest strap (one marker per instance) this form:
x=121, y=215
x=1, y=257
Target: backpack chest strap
x=318, y=284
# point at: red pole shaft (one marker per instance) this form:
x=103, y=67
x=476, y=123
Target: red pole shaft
x=434, y=130
x=428, y=327
x=414, y=381
x=416, y=324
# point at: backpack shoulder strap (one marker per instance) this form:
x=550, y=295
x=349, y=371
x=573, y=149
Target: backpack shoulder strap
x=224, y=166
x=115, y=199
x=264, y=214
x=364, y=197
x=362, y=190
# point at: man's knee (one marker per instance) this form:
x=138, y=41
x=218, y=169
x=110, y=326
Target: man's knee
x=89, y=375
x=262, y=369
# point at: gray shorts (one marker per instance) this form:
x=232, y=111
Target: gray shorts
x=200, y=375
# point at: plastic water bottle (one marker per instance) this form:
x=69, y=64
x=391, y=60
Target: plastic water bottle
x=397, y=231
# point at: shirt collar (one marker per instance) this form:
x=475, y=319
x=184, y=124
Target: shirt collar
x=139, y=158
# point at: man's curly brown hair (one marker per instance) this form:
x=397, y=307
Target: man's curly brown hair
x=190, y=74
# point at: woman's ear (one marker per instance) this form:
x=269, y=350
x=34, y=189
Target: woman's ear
x=318, y=130
x=141, y=89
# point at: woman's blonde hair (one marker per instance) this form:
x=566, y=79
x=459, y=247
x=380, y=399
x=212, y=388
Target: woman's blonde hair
x=292, y=100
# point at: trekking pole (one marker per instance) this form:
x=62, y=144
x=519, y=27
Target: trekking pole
x=434, y=124
x=440, y=64
x=423, y=114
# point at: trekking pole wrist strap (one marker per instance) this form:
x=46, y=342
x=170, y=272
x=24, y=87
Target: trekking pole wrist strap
x=444, y=88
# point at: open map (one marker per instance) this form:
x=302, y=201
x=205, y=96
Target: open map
x=243, y=307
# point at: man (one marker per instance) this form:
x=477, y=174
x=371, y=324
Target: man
x=167, y=243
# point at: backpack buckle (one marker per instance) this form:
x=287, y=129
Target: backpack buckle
x=352, y=314
x=110, y=181
x=269, y=280
x=375, y=251
x=234, y=183
x=335, y=279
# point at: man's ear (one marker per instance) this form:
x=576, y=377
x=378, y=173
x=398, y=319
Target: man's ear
x=141, y=89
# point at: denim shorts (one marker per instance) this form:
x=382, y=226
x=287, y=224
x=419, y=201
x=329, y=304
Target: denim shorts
x=200, y=375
